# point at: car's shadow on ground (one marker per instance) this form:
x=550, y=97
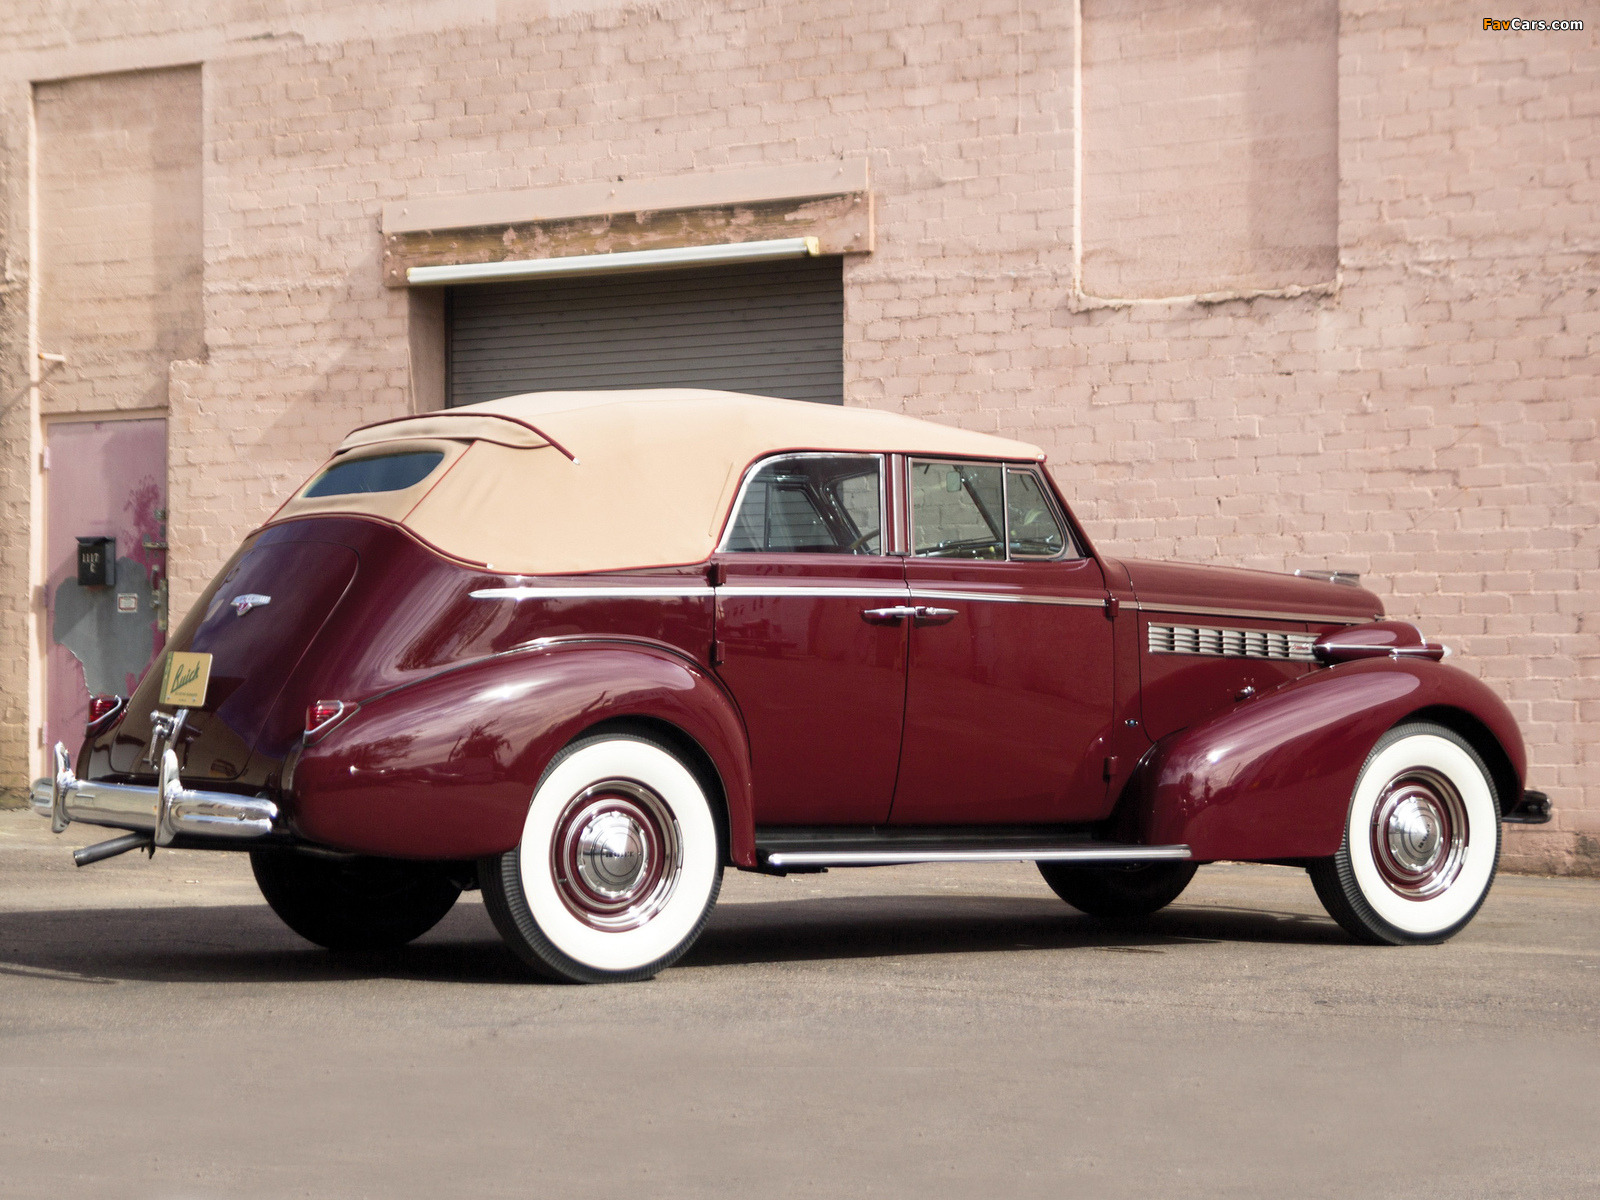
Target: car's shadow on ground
x=247, y=943
x=884, y=926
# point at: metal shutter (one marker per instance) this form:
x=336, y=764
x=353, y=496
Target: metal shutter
x=775, y=329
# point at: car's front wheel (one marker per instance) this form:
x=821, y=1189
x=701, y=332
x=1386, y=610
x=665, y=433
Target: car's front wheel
x=1118, y=891
x=618, y=868
x=1421, y=843
x=355, y=903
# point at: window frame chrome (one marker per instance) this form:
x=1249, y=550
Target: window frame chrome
x=761, y=464
x=1069, y=545
x=899, y=507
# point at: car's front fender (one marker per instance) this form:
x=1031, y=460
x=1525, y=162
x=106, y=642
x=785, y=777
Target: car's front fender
x=444, y=768
x=1271, y=778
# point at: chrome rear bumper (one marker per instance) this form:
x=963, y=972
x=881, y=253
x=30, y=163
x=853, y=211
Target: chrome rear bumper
x=163, y=811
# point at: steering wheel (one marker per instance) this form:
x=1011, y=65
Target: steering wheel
x=862, y=540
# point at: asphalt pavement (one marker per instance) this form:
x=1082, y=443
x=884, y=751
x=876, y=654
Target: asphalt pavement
x=914, y=1031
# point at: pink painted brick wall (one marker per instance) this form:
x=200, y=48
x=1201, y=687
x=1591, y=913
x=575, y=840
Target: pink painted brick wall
x=1430, y=422
x=120, y=245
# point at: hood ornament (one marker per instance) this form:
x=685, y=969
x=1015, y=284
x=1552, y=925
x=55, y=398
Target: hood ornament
x=243, y=604
x=1348, y=578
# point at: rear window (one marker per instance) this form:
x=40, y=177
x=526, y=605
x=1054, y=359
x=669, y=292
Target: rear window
x=378, y=473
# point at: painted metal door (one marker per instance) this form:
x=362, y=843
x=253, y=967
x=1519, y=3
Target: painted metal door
x=821, y=685
x=1009, y=688
x=1008, y=704
x=104, y=479
x=818, y=671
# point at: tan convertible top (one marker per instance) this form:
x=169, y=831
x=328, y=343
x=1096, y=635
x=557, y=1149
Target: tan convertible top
x=562, y=482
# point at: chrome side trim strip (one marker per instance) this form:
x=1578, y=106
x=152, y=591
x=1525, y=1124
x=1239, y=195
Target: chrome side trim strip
x=683, y=591
x=739, y=589
x=696, y=590
x=1007, y=597
x=1246, y=614
x=651, y=592
x=889, y=857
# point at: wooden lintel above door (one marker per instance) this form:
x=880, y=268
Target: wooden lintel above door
x=831, y=201
x=841, y=224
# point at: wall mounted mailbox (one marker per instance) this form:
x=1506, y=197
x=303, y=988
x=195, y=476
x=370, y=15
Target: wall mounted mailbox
x=97, y=561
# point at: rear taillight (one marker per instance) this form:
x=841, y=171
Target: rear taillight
x=102, y=711
x=322, y=715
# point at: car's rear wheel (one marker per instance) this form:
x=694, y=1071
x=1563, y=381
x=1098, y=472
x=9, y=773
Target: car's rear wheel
x=618, y=868
x=1421, y=843
x=1114, y=891
x=355, y=903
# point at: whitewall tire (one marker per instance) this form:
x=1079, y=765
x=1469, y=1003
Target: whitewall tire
x=618, y=868
x=1421, y=842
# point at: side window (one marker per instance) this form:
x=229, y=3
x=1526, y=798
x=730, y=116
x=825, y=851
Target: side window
x=957, y=510
x=811, y=504
x=1034, y=530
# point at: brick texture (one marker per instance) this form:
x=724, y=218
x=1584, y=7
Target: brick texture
x=1429, y=422
x=1211, y=145
x=119, y=236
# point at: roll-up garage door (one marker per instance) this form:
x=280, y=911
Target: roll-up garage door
x=775, y=329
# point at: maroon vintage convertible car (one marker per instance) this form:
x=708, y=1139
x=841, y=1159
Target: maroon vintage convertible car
x=585, y=650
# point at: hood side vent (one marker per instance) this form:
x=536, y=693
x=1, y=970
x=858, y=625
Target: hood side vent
x=1230, y=643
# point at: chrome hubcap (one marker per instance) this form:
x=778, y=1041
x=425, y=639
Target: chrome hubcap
x=1414, y=835
x=1419, y=834
x=616, y=855
x=611, y=854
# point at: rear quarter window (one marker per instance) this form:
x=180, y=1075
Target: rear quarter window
x=811, y=504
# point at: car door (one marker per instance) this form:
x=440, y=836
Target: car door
x=811, y=637
x=1009, y=690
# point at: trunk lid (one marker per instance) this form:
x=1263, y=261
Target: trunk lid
x=254, y=652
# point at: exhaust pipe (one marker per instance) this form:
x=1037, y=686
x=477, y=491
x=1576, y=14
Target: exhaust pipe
x=116, y=846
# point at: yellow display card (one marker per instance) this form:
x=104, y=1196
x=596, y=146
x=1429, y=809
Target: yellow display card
x=184, y=682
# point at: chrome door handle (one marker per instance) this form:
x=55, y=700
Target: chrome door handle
x=935, y=616
x=888, y=616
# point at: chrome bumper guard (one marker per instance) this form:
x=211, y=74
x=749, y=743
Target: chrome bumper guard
x=1533, y=809
x=163, y=811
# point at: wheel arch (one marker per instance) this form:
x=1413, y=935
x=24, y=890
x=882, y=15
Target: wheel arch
x=1418, y=872
x=1503, y=772
x=680, y=742
x=444, y=768
x=1271, y=779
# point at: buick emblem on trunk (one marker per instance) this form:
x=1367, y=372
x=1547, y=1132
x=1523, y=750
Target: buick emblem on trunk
x=243, y=604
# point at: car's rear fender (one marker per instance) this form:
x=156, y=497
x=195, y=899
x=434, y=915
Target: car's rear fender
x=1271, y=778
x=444, y=768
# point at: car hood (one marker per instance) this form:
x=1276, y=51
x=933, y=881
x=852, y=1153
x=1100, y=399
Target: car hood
x=1179, y=586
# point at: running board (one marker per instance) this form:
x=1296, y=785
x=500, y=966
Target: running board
x=891, y=855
